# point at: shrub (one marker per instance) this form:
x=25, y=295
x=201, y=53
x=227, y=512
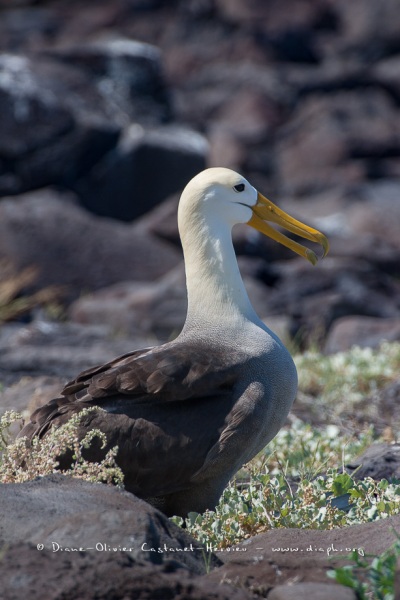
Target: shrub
x=20, y=461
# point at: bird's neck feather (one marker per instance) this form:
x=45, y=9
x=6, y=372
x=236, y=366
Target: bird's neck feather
x=215, y=287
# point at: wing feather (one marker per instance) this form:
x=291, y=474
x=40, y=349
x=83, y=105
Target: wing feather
x=170, y=372
x=177, y=400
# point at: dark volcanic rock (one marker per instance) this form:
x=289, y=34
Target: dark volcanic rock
x=58, y=349
x=304, y=591
x=144, y=168
x=302, y=97
x=154, y=308
x=361, y=331
x=23, y=26
x=64, y=110
x=52, y=128
x=23, y=101
x=127, y=75
x=81, y=540
x=342, y=286
x=240, y=106
x=366, y=30
x=379, y=461
x=265, y=560
x=77, y=514
x=386, y=401
x=30, y=391
x=338, y=138
x=76, y=249
x=68, y=511
x=26, y=572
x=387, y=74
x=375, y=213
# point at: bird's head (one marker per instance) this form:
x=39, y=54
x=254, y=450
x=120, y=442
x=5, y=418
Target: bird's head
x=224, y=195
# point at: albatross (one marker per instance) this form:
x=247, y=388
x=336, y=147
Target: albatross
x=188, y=414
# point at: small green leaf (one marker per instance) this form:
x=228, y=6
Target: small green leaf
x=342, y=484
x=344, y=576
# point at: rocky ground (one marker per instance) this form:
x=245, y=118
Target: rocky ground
x=66, y=551
x=106, y=111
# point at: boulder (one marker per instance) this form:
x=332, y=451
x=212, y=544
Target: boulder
x=26, y=572
x=28, y=393
x=23, y=101
x=91, y=541
x=26, y=24
x=63, y=111
x=72, y=513
x=385, y=402
x=127, y=74
x=375, y=213
x=240, y=105
x=363, y=331
x=379, y=461
x=343, y=137
x=315, y=299
x=387, y=73
x=304, y=591
x=284, y=556
x=144, y=168
x=137, y=309
x=47, y=230
x=272, y=17
x=60, y=350
x=47, y=139
x=365, y=30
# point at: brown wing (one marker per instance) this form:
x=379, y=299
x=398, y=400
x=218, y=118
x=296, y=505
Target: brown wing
x=171, y=372
x=166, y=408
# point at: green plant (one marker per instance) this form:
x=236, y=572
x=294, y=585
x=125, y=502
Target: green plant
x=295, y=483
x=370, y=579
x=270, y=502
x=304, y=451
x=336, y=385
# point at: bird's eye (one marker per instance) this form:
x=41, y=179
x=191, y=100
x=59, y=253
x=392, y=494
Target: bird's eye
x=239, y=187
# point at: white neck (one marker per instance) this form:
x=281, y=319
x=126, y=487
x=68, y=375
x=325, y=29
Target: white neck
x=216, y=293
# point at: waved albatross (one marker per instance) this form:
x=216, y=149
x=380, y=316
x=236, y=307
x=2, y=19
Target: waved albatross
x=188, y=414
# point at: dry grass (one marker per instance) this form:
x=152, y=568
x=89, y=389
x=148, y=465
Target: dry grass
x=21, y=461
x=15, y=300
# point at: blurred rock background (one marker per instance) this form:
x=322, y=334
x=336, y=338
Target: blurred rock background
x=107, y=109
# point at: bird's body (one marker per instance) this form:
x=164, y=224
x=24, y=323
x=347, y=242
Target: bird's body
x=188, y=414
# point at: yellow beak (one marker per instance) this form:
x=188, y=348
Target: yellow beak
x=265, y=210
